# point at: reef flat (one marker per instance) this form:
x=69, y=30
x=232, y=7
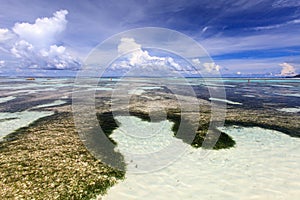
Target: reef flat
x=47, y=160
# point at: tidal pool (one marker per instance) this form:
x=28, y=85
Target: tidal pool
x=265, y=164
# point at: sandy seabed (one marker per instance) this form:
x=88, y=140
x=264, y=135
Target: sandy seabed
x=265, y=164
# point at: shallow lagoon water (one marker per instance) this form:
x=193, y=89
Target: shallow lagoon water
x=54, y=103
x=265, y=164
x=9, y=122
x=5, y=99
x=290, y=110
x=226, y=101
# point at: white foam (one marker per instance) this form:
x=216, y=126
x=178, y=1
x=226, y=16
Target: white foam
x=225, y=100
x=10, y=122
x=6, y=99
x=265, y=164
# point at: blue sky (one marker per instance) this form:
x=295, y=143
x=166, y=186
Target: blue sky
x=243, y=37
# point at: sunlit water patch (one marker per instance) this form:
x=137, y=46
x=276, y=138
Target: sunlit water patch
x=148, y=138
x=288, y=95
x=265, y=164
x=150, y=88
x=101, y=89
x=136, y=92
x=285, y=86
x=54, y=103
x=6, y=99
x=9, y=122
x=290, y=110
x=249, y=95
x=225, y=100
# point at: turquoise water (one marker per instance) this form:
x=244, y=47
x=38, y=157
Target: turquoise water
x=264, y=164
x=279, y=95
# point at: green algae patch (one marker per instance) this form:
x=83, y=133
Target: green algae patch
x=107, y=124
x=223, y=142
x=47, y=160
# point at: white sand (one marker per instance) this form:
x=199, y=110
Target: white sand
x=265, y=164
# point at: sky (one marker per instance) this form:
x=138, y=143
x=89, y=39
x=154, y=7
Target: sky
x=243, y=38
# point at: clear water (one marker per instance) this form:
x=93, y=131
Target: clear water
x=9, y=122
x=265, y=164
x=276, y=93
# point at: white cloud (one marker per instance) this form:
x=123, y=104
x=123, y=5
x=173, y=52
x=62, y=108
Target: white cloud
x=22, y=49
x=35, y=45
x=295, y=21
x=211, y=67
x=207, y=68
x=2, y=63
x=286, y=3
x=287, y=70
x=196, y=61
x=139, y=60
x=58, y=58
x=128, y=44
x=5, y=35
x=44, y=31
x=225, y=45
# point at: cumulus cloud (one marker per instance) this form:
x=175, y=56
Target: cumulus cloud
x=206, y=68
x=22, y=49
x=128, y=44
x=196, y=61
x=287, y=69
x=2, y=63
x=35, y=45
x=44, y=31
x=5, y=35
x=211, y=67
x=140, y=61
